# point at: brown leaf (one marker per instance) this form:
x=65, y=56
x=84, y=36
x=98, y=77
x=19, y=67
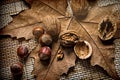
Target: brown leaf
x=29, y=17
x=29, y=1
x=23, y=25
x=103, y=53
x=21, y=32
x=55, y=68
x=59, y=6
x=96, y=13
x=85, y=25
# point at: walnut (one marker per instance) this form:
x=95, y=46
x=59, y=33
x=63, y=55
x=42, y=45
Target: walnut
x=69, y=38
x=83, y=49
x=107, y=29
x=80, y=8
x=52, y=26
x=60, y=55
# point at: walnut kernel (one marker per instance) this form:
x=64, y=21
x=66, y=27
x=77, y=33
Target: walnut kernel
x=69, y=39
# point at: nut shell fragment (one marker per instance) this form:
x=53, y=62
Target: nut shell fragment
x=60, y=55
x=107, y=29
x=83, y=50
x=69, y=38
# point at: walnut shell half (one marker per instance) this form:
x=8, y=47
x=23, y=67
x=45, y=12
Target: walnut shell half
x=69, y=38
x=107, y=29
x=83, y=50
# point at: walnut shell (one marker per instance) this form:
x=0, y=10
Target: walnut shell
x=83, y=49
x=107, y=29
x=52, y=26
x=69, y=38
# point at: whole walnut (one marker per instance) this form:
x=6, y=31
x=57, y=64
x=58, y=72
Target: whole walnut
x=52, y=26
x=80, y=8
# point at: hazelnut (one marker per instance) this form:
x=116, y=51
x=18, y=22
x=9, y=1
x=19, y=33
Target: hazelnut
x=44, y=53
x=38, y=31
x=17, y=69
x=22, y=51
x=45, y=39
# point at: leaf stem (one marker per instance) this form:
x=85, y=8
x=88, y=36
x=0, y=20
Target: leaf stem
x=52, y=8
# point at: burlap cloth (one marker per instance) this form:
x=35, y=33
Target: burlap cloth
x=8, y=46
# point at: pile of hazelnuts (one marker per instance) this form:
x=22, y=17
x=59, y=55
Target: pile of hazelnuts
x=45, y=41
x=44, y=53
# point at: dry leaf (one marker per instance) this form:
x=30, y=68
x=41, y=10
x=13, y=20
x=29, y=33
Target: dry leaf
x=103, y=53
x=38, y=10
x=96, y=13
x=29, y=1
